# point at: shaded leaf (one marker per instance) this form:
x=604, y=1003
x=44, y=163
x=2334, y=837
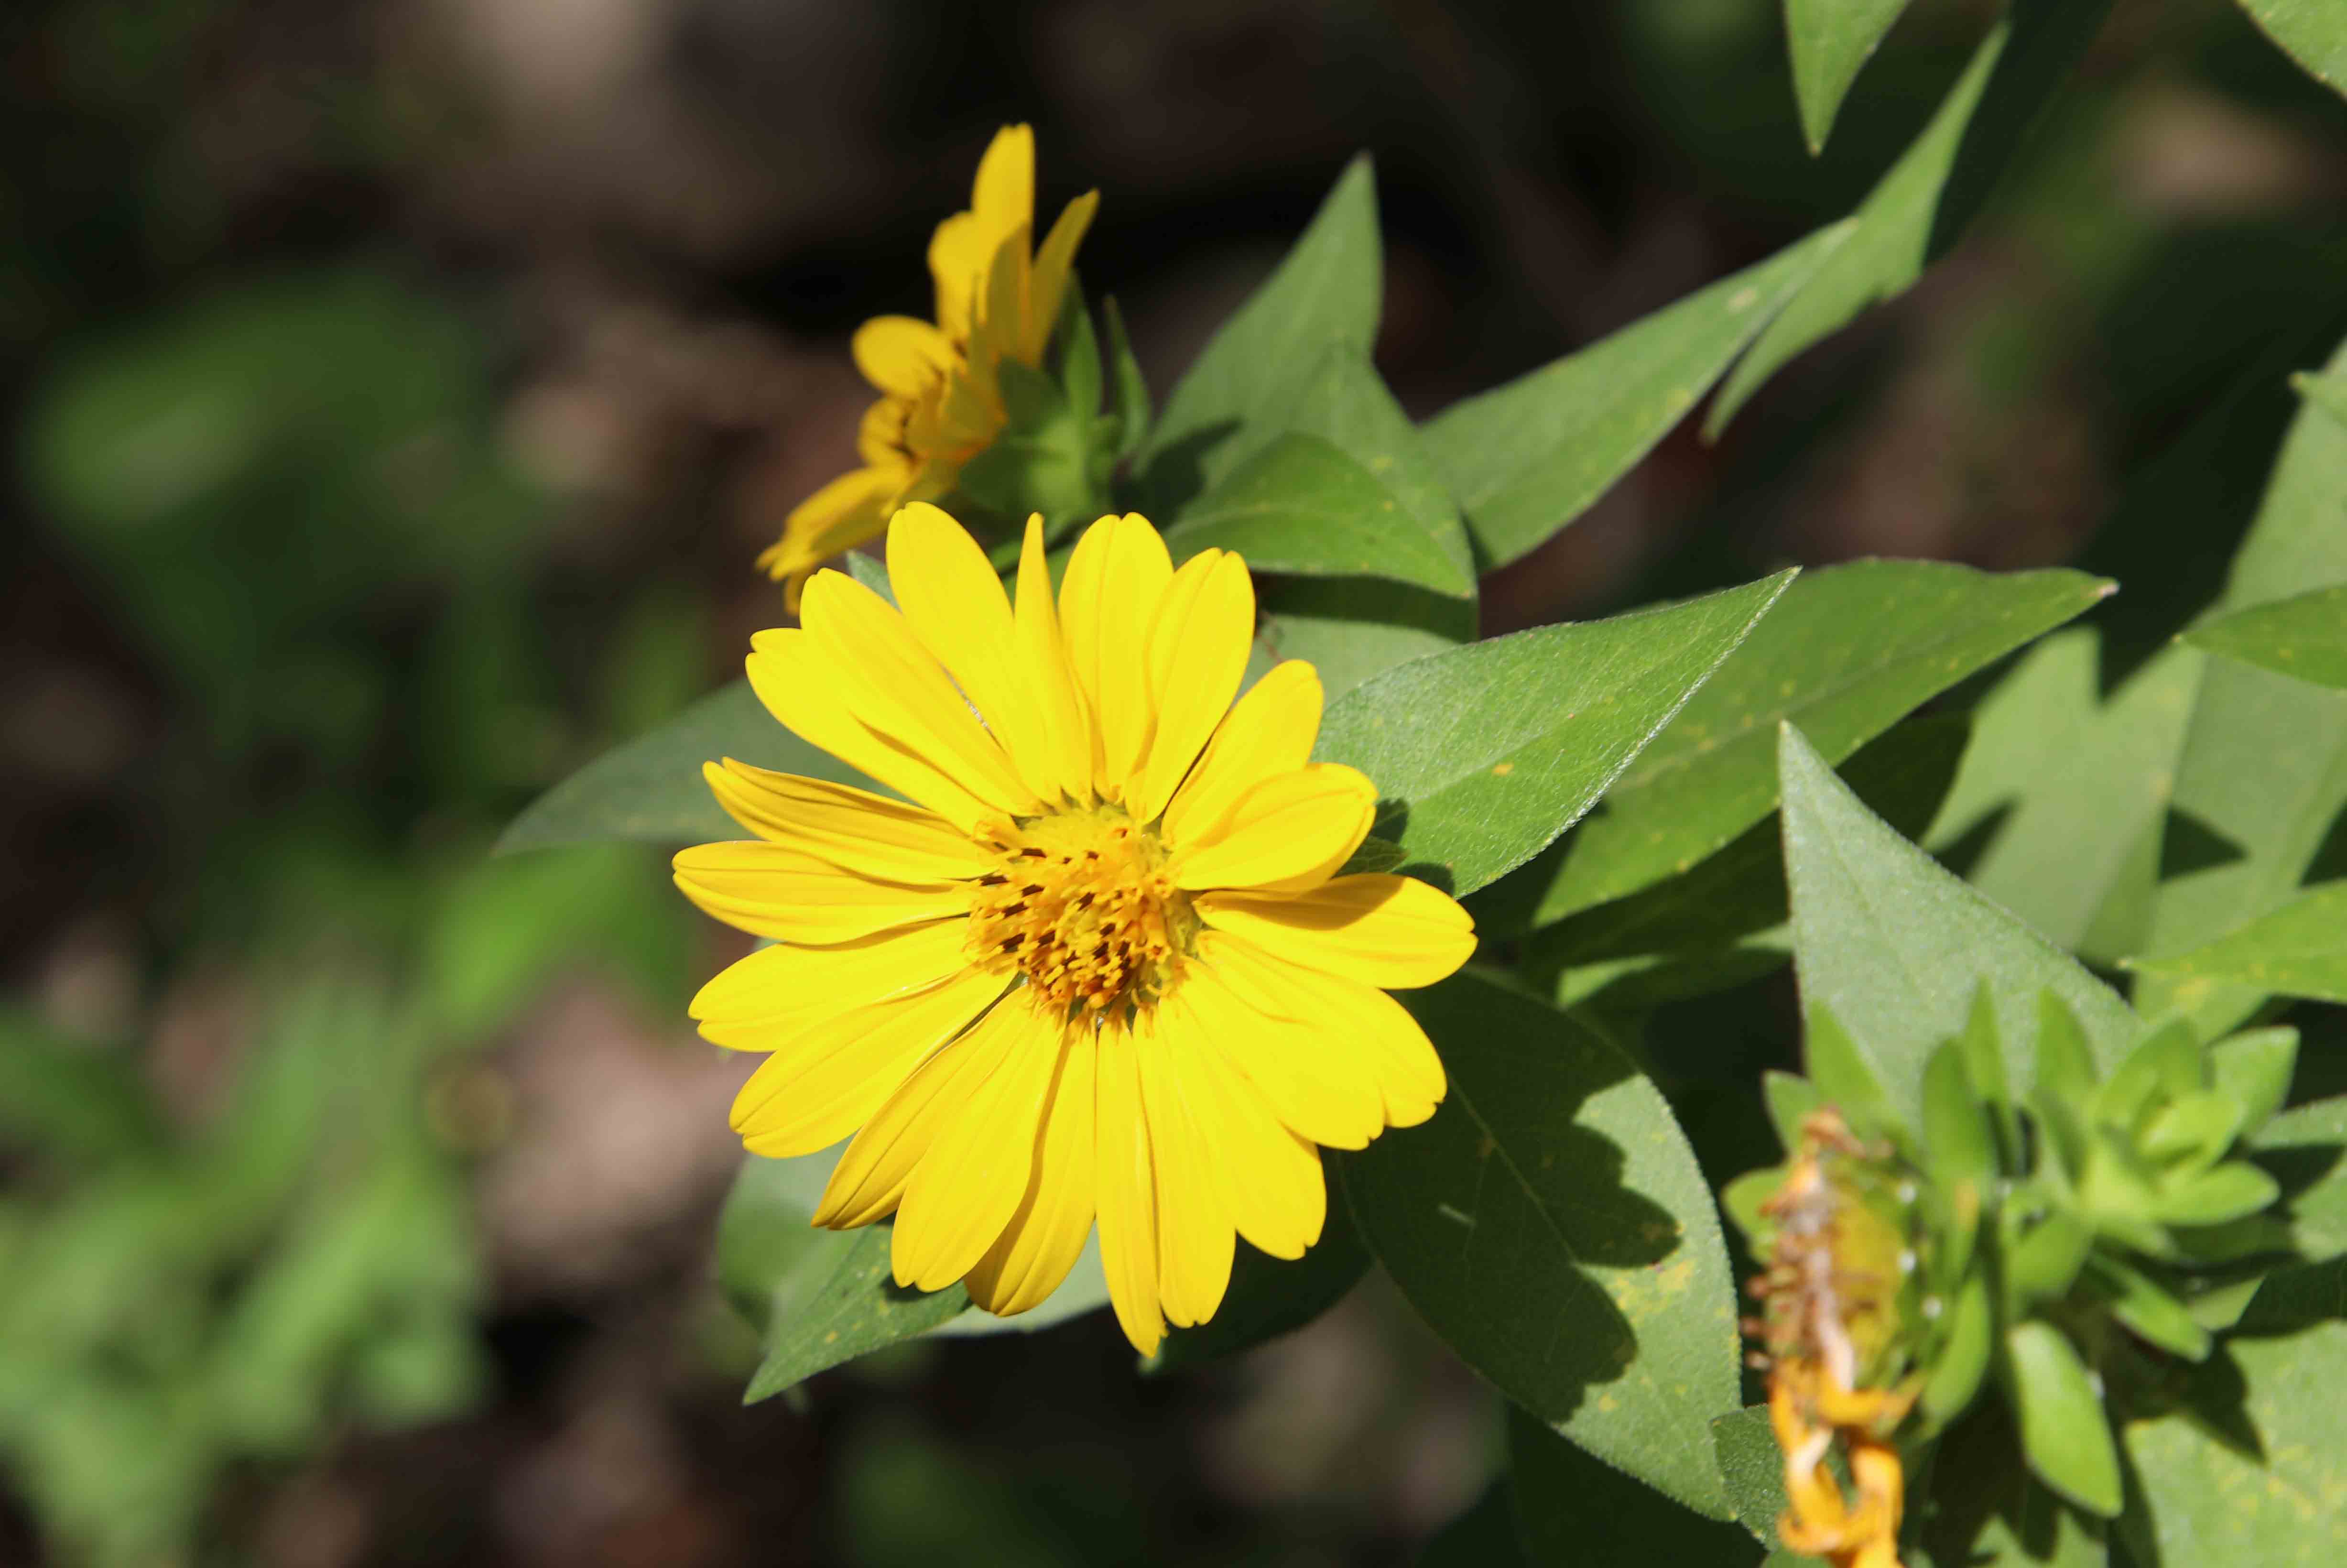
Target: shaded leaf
x=1829, y=40
x=1896, y=948
x=1574, y=1508
x=651, y=788
x=2205, y=1498
x=1919, y=207
x=1551, y=1224
x=1484, y=753
x=1353, y=628
x=1844, y=654
x=1269, y=1296
x=2264, y=764
x=1528, y=458
x=2305, y=1151
x=849, y=1307
x=1299, y=505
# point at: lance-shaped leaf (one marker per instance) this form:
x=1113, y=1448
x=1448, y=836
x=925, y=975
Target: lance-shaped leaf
x=1549, y=1223
x=1752, y=1467
x=1352, y=628
x=1574, y=1508
x=1527, y=458
x=1829, y=40
x=2060, y=1411
x=2304, y=636
x=1848, y=652
x=2305, y=1149
x=851, y=1309
x=2264, y=766
x=1933, y=190
x=2254, y=1467
x=1895, y=948
x=1326, y=292
x=1484, y=753
x=2312, y=32
x=1338, y=486
x=651, y=788
x=2297, y=950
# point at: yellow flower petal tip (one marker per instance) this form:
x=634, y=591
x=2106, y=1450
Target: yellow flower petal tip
x=1095, y=969
x=998, y=295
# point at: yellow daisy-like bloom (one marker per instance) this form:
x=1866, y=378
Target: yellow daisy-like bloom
x=1101, y=969
x=941, y=400
x=1831, y=1297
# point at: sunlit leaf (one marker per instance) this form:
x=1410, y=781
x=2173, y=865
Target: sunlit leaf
x=1829, y=41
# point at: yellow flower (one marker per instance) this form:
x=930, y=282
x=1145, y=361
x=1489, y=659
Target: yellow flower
x=1831, y=1295
x=941, y=402
x=1100, y=968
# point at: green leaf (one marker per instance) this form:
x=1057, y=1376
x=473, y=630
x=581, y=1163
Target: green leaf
x=2304, y=635
x=769, y=1254
x=2063, y=1430
x=2155, y=1315
x=2080, y=854
x=1919, y=207
x=1328, y=292
x=1528, y=458
x=2305, y=1149
x=2264, y=767
x=1269, y=1296
x=1845, y=654
x=1128, y=389
x=2255, y=1068
x=2328, y=392
x=2297, y=950
x=1483, y=755
x=1551, y=1224
x=1301, y=505
x=2312, y=31
x=1901, y=774
x=1962, y=1361
x=1829, y=40
x=1044, y=460
x=2208, y=1496
x=1574, y=1508
x=651, y=788
x=1986, y=1512
x=1842, y=1073
x=1896, y=947
x=1958, y=1142
x=849, y=1308
x=1752, y=1468
x=1353, y=628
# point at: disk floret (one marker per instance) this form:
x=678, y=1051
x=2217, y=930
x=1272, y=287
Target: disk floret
x=1084, y=906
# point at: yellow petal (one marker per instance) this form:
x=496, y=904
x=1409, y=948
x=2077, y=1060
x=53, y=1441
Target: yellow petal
x=1269, y=733
x=1195, y=1235
x=852, y=828
x=1051, y=685
x=844, y=512
x=891, y=682
x=830, y=1080
x=1000, y=327
x=1128, y=1187
x=769, y=890
x=767, y=1001
x=1380, y=1038
x=1002, y=196
x=1108, y=609
x=1272, y=1184
x=1392, y=932
x=869, y=1180
x=797, y=688
x=1288, y=831
x=967, y=1187
x=953, y=601
x=958, y=252
x=1197, y=657
x=1303, y=1073
x=1048, y=284
x=1041, y=1244
x=903, y=356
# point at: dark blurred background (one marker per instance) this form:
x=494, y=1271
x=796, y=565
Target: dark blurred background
x=396, y=395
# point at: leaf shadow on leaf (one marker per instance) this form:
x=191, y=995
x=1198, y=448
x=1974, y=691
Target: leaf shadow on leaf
x=2300, y=1167
x=2188, y=843
x=2330, y=862
x=1176, y=475
x=1390, y=822
x=1962, y=852
x=1985, y=1504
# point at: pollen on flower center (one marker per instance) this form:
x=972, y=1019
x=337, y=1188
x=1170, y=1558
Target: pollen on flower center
x=1083, y=906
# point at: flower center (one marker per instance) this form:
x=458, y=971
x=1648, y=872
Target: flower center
x=1083, y=906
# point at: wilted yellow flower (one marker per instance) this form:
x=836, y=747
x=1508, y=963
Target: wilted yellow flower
x=941, y=402
x=1832, y=1321
x=1101, y=967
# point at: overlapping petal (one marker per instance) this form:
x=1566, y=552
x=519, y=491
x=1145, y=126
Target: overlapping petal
x=1381, y=930
x=774, y=890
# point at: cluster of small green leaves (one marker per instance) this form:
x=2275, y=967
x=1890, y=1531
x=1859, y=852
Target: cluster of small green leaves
x=1672, y=803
